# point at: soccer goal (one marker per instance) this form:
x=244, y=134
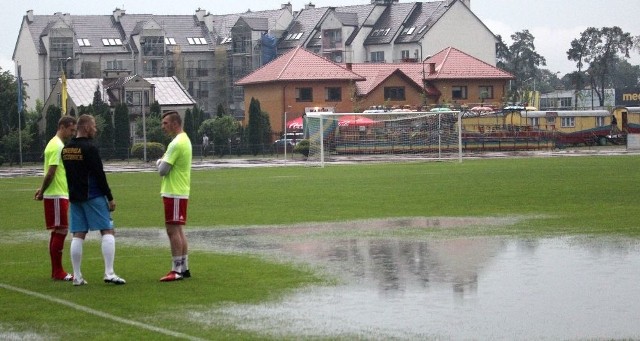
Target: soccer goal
x=384, y=136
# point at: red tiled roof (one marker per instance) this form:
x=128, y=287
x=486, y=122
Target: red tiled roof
x=302, y=65
x=376, y=73
x=299, y=65
x=452, y=63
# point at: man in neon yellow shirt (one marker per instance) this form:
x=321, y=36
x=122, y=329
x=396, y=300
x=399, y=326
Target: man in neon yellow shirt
x=55, y=195
x=175, y=169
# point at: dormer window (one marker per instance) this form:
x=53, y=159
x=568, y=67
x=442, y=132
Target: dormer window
x=84, y=42
x=197, y=41
x=111, y=42
x=408, y=30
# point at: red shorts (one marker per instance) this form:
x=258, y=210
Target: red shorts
x=175, y=211
x=56, y=213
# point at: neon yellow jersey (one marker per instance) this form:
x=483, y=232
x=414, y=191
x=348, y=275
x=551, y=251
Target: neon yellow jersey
x=177, y=182
x=52, y=157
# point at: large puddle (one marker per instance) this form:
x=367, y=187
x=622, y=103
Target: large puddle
x=395, y=287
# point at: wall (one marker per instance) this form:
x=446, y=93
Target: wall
x=475, y=39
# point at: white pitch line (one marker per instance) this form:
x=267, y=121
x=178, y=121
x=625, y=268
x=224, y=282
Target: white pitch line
x=100, y=313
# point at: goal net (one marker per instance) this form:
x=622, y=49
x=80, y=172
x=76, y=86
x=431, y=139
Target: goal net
x=383, y=136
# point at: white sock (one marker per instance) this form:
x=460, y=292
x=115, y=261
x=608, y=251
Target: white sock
x=108, y=253
x=177, y=264
x=76, y=256
x=185, y=263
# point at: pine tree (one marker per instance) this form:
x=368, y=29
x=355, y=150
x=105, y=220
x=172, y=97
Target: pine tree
x=121, y=131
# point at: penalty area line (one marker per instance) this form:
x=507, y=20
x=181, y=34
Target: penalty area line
x=99, y=313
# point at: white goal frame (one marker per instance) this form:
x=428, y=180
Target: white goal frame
x=384, y=120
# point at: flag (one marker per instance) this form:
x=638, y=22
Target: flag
x=63, y=95
x=20, y=101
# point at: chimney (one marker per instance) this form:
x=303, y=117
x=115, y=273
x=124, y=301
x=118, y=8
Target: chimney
x=309, y=5
x=349, y=66
x=30, y=15
x=200, y=13
x=287, y=6
x=117, y=14
x=208, y=22
x=67, y=18
x=432, y=68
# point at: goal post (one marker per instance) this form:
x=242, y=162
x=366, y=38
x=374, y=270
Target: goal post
x=383, y=136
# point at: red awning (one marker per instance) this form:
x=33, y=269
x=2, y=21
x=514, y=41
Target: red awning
x=295, y=124
x=355, y=121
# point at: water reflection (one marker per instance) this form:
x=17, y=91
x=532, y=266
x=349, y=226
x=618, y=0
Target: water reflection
x=458, y=288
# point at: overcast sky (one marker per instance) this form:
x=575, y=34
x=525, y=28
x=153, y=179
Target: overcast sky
x=553, y=23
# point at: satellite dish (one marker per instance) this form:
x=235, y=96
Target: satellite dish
x=338, y=59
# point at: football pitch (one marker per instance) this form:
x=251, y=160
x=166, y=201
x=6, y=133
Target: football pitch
x=591, y=195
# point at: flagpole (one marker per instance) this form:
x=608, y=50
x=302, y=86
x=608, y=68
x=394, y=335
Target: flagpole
x=20, y=107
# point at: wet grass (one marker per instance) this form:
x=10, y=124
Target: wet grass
x=573, y=194
x=566, y=196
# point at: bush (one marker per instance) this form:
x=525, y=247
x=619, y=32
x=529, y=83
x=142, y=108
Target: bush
x=302, y=147
x=155, y=150
x=1, y=160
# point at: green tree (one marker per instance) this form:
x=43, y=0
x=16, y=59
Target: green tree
x=51, y=122
x=522, y=60
x=9, y=102
x=121, y=131
x=222, y=130
x=220, y=110
x=254, y=127
x=154, y=130
x=154, y=109
x=188, y=124
x=13, y=141
x=625, y=75
x=599, y=48
x=33, y=119
x=106, y=132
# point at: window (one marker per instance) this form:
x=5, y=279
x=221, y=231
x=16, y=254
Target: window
x=408, y=30
x=377, y=57
x=568, y=122
x=133, y=97
x=405, y=54
x=486, y=92
x=152, y=45
x=202, y=71
x=111, y=42
x=115, y=65
x=332, y=39
x=333, y=94
x=197, y=41
x=394, y=93
x=304, y=95
x=459, y=92
x=599, y=121
x=84, y=42
x=169, y=41
x=535, y=121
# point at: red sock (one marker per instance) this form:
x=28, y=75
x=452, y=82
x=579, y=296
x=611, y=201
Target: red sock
x=56, y=245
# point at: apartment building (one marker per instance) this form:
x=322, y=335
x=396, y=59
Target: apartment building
x=208, y=53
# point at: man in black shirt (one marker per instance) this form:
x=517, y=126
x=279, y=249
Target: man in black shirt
x=91, y=199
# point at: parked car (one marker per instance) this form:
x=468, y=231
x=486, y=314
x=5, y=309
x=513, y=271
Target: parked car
x=279, y=145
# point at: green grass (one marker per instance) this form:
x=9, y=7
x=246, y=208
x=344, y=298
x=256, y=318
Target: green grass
x=558, y=196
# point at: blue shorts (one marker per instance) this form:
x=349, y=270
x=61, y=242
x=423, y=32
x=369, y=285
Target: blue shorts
x=90, y=215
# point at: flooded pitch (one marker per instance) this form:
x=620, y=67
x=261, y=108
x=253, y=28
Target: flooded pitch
x=391, y=286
